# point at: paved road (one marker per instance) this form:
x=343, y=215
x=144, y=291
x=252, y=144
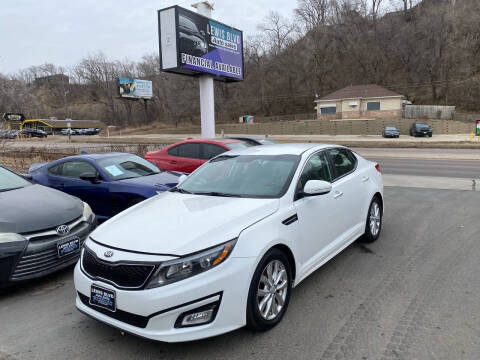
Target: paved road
x=414, y=294
x=467, y=169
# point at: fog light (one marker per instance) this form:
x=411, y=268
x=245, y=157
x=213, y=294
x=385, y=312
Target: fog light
x=200, y=316
x=197, y=318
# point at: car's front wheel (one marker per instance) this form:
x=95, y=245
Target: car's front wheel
x=269, y=292
x=374, y=222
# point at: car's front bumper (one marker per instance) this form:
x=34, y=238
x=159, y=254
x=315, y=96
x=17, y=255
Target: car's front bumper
x=153, y=313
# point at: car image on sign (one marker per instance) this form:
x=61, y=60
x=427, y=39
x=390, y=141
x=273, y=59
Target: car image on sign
x=236, y=235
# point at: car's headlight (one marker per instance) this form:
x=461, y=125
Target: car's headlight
x=179, y=269
x=87, y=212
x=11, y=238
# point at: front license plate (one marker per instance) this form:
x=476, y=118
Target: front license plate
x=68, y=246
x=103, y=298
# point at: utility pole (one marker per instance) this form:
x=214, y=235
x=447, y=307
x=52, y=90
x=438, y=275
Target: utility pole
x=207, y=95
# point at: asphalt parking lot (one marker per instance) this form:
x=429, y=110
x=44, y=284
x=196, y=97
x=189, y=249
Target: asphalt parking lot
x=414, y=294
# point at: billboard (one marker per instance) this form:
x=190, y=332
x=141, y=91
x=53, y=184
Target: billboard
x=134, y=88
x=193, y=44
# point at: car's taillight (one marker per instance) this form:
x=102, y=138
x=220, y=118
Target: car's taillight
x=148, y=157
x=377, y=166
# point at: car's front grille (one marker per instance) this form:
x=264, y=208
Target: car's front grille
x=41, y=255
x=130, y=276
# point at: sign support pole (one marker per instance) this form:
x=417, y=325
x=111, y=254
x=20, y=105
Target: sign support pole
x=207, y=97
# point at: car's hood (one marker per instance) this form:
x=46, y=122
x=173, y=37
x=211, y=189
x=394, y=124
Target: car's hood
x=180, y=224
x=167, y=178
x=35, y=208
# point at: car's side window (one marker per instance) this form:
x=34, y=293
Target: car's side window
x=212, y=150
x=189, y=150
x=343, y=161
x=56, y=170
x=316, y=168
x=173, y=151
x=74, y=169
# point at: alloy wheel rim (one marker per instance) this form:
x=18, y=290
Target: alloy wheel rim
x=375, y=219
x=272, y=290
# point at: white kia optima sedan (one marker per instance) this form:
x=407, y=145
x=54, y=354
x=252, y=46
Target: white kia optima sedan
x=225, y=247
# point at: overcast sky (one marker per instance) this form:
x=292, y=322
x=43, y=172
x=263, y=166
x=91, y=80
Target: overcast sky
x=34, y=32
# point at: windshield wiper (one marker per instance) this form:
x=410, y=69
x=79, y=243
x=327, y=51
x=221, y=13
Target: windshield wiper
x=215, y=193
x=14, y=188
x=181, y=191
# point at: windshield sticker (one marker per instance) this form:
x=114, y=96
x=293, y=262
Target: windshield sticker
x=114, y=170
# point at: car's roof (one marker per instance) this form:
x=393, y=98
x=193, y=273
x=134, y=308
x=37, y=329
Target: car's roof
x=95, y=156
x=279, y=149
x=212, y=141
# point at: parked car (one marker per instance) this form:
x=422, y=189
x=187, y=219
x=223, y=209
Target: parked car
x=8, y=134
x=253, y=140
x=421, y=129
x=41, y=230
x=109, y=183
x=225, y=247
x=68, y=131
x=390, y=132
x=186, y=156
x=29, y=132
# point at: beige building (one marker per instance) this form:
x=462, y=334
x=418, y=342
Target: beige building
x=360, y=102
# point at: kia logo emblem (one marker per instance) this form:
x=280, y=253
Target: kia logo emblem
x=108, y=254
x=63, y=230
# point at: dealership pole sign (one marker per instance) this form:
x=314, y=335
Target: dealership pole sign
x=134, y=88
x=193, y=44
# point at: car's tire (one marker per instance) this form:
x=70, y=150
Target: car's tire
x=264, y=308
x=373, y=225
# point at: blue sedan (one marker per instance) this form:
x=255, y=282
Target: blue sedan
x=109, y=183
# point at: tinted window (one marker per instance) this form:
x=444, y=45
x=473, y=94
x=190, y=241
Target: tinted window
x=127, y=167
x=190, y=150
x=56, y=170
x=343, y=161
x=212, y=150
x=173, y=151
x=373, y=105
x=392, y=128
x=328, y=110
x=316, y=168
x=74, y=169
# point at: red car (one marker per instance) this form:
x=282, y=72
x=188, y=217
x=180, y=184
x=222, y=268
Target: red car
x=186, y=156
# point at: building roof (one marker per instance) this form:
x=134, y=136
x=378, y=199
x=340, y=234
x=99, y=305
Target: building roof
x=74, y=123
x=360, y=91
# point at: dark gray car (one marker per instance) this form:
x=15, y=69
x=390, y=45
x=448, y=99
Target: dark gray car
x=41, y=229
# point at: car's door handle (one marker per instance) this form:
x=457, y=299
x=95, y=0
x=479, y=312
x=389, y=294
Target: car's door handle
x=172, y=162
x=337, y=194
x=365, y=179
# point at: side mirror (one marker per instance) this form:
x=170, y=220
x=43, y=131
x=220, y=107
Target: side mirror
x=316, y=187
x=93, y=178
x=182, y=178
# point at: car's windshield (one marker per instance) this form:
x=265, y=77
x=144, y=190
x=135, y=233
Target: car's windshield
x=423, y=126
x=391, y=128
x=127, y=167
x=11, y=181
x=252, y=176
